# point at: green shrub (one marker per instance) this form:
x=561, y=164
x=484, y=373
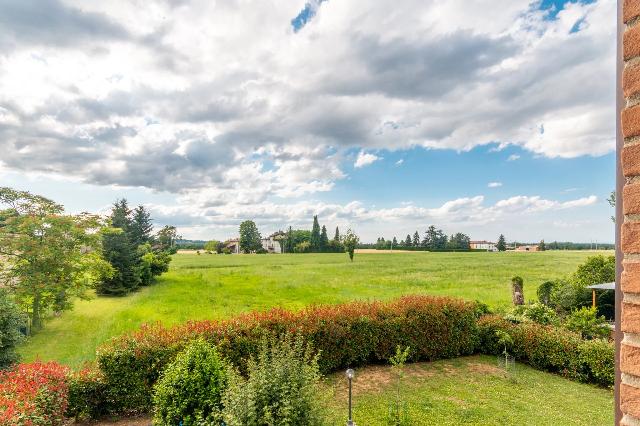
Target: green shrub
x=190, y=389
x=550, y=348
x=598, y=358
x=303, y=247
x=544, y=292
x=345, y=335
x=88, y=396
x=587, y=322
x=11, y=321
x=535, y=312
x=282, y=387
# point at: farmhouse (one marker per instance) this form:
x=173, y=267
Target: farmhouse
x=271, y=243
x=527, y=248
x=482, y=245
x=233, y=245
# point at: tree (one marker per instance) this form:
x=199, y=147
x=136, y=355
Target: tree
x=118, y=251
x=121, y=215
x=250, y=239
x=394, y=242
x=12, y=320
x=315, y=235
x=336, y=237
x=459, y=241
x=166, y=239
x=350, y=241
x=434, y=239
x=416, y=239
x=612, y=202
x=324, y=239
x=407, y=241
x=140, y=226
x=213, y=246
x=46, y=256
x=542, y=246
x=502, y=245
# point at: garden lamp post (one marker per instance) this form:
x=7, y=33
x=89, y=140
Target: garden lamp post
x=350, y=374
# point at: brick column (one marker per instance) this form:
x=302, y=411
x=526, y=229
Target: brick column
x=628, y=220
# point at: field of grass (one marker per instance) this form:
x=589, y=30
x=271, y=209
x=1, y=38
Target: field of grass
x=217, y=286
x=473, y=391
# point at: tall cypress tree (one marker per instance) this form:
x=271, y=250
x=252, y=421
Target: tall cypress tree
x=336, y=237
x=324, y=239
x=315, y=235
x=407, y=241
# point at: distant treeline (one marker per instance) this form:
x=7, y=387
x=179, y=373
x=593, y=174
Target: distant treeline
x=190, y=244
x=556, y=245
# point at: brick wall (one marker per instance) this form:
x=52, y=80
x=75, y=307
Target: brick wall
x=628, y=384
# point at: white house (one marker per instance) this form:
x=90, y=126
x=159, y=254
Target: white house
x=482, y=245
x=271, y=243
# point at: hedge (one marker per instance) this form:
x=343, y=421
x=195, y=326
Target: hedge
x=345, y=335
x=551, y=349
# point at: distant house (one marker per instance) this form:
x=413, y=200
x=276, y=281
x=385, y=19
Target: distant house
x=482, y=245
x=271, y=243
x=527, y=248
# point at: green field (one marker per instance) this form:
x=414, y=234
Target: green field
x=473, y=391
x=218, y=286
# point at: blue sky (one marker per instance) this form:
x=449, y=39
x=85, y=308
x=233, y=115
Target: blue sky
x=377, y=116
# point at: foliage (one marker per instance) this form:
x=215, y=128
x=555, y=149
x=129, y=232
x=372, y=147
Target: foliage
x=46, y=257
x=595, y=270
x=350, y=241
x=303, y=247
x=398, y=415
x=33, y=395
x=282, y=387
x=434, y=239
x=542, y=246
x=459, y=241
x=336, y=236
x=214, y=246
x=250, y=239
x=118, y=251
x=535, y=312
x=140, y=227
x=315, y=235
x=190, y=389
x=502, y=244
x=550, y=348
x=88, y=395
x=587, y=322
x=12, y=320
x=544, y=292
x=166, y=239
x=344, y=335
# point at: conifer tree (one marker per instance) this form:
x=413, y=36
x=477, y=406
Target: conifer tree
x=416, y=239
x=140, y=227
x=407, y=241
x=315, y=235
x=117, y=250
x=324, y=239
x=336, y=237
x=502, y=245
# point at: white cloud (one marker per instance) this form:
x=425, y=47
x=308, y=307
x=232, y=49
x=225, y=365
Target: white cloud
x=513, y=157
x=494, y=184
x=399, y=162
x=365, y=159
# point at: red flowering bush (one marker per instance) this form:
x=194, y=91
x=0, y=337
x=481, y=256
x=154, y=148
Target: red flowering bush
x=345, y=335
x=33, y=394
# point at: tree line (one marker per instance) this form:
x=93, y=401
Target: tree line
x=434, y=239
x=48, y=257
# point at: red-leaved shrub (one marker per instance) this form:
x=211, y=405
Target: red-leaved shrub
x=345, y=335
x=33, y=394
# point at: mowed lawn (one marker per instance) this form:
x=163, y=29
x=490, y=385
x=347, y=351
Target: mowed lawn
x=219, y=286
x=472, y=391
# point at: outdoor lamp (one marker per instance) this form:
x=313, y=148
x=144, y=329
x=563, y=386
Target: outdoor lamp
x=350, y=374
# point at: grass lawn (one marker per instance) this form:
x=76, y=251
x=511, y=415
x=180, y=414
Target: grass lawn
x=218, y=286
x=473, y=391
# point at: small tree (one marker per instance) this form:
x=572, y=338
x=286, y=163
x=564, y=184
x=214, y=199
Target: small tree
x=166, y=238
x=502, y=244
x=213, y=246
x=407, y=241
x=416, y=239
x=324, y=239
x=315, y=235
x=506, y=341
x=140, y=227
x=542, y=246
x=350, y=241
x=587, y=322
x=398, y=415
x=336, y=237
x=11, y=321
x=249, y=237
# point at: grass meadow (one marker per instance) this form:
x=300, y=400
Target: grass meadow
x=218, y=286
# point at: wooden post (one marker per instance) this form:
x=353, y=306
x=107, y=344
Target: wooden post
x=593, y=297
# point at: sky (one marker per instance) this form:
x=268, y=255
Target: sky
x=485, y=117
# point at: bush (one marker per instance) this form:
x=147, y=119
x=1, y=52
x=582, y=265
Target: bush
x=534, y=312
x=11, y=321
x=282, y=387
x=345, y=335
x=587, y=322
x=88, y=396
x=598, y=358
x=190, y=389
x=549, y=348
x=544, y=292
x=33, y=394
x=303, y=247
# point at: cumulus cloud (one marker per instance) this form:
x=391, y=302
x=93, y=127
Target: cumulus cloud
x=494, y=184
x=513, y=157
x=365, y=159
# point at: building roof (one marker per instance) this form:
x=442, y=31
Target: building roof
x=605, y=286
x=480, y=242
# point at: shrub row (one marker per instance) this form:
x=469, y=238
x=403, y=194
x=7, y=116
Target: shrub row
x=33, y=394
x=345, y=335
x=551, y=349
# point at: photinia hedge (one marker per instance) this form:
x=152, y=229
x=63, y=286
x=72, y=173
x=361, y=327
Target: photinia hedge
x=33, y=394
x=345, y=335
